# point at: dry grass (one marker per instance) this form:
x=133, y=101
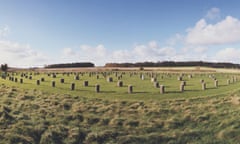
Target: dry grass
x=33, y=116
x=42, y=114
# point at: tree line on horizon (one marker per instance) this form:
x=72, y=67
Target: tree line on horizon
x=144, y=64
x=175, y=64
x=70, y=65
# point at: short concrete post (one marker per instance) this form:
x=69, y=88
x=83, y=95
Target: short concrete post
x=85, y=83
x=53, y=83
x=21, y=80
x=190, y=76
x=97, y=88
x=120, y=84
x=130, y=88
x=181, y=87
x=16, y=80
x=156, y=84
x=203, y=86
x=61, y=80
x=110, y=79
x=42, y=79
x=153, y=79
x=236, y=79
x=184, y=83
x=216, y=83
x=180, y=78
x=38, y=82
x=228, y=81
x=72, y=86
x=77, y=77
x=162, y=89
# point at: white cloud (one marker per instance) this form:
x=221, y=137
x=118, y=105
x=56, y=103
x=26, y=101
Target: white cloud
x=153, y=50
x=213, y=13
x=200, y=49
x=228, y=55
x=86, y=53
x=100, y=50
x=139, y=53
x=21, y=55
x=223, y=32
x=100, y=55
x=122, y=56
x=153, y=44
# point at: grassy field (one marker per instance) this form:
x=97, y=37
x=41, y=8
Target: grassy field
x=142, y=89
x=42, y=114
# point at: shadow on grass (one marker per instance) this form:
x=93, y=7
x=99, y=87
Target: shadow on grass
x=209, y=88
x=140, y=92
x=107, y=91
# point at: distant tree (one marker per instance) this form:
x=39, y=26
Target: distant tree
x=4, y=67
x=70, y=65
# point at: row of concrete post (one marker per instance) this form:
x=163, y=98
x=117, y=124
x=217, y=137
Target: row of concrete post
x=120, y=83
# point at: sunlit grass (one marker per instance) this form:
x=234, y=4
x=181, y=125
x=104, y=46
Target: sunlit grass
x=142, y=89
x=31, y=113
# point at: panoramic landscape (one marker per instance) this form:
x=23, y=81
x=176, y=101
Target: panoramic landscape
x=119, y=72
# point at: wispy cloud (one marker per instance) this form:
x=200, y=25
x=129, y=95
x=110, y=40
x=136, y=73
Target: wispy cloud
x=18, y=54
x=213, y=14
x=4, y=31
x=21, y=55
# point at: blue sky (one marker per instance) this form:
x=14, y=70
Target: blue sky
x=39, y=32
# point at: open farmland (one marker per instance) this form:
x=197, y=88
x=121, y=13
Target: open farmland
x=32, y=113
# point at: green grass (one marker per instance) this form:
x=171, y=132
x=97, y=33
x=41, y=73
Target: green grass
x=45, y=115
x=142, y=89
x=32, y=116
